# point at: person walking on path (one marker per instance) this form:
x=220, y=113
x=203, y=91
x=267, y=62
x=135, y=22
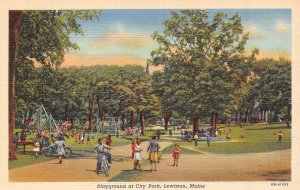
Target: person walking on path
x=60, y=144
x=137, y=155
x=176, y=152
x=153, y=149
x=100, y=150
x=280, y=135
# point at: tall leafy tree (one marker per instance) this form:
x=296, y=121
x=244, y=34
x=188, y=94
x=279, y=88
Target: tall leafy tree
x=200, y=54
x=43, y=36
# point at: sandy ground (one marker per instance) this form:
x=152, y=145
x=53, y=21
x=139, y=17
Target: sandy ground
x=273, y=166
x=77, y=169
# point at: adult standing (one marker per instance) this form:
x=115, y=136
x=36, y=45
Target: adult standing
x=23, y=136
x=60, y=144
x=153, y=149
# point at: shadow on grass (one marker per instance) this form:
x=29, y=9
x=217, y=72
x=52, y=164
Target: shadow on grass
x=128, y=175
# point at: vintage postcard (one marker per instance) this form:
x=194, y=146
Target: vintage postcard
x=149, y=95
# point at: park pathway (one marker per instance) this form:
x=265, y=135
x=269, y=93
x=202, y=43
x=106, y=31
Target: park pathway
x=272, y=166
x=78, y=169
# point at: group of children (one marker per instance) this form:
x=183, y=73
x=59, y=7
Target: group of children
x=153, y=149
x=80, y=136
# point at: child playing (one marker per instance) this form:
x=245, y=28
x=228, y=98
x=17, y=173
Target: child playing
x=176, y=151
x=36, y=148
x=137, y=154
x=280, y=135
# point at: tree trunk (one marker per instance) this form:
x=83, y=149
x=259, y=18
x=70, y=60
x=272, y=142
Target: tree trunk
x=241, y=116
x=142, y=120
x=72, y=122
x=91, y=101
x=123, y=121
x=250, y=114
x=246, y=115
x=131, y=119
x=67, y=114
x=270, y=116
x=15, y=18
x=215, y=120
x=98, y=104
x=166, y=119
x=287, y=121
x=195, y=125
x=212, y=119
x=236, y=117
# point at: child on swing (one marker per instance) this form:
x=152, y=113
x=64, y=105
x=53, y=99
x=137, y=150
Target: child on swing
x=176, y=152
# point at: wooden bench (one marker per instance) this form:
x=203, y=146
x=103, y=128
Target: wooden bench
x=24, y=144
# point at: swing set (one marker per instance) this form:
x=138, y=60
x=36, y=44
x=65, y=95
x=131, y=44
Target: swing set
x=43, y=119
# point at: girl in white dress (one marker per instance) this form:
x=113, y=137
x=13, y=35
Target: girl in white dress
x=137, y=154
x=36, y=148
x=60, y=143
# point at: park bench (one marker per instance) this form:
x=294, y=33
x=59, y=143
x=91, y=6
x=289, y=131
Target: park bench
x=24, y=144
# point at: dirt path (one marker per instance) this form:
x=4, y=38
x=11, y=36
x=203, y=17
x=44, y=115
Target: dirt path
x=77, y=169
x=273, y=166
x=192, y=167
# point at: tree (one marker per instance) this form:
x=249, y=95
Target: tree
x=273, y=88
x=200, y=55
x=44, y=37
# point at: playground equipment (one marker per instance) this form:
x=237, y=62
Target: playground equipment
x=110, y=125
x=44, y=119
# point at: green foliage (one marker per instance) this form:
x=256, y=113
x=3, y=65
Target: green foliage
x=257, y=138
x=205, y=66
x=64, y=92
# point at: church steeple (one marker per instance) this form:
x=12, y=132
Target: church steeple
x=147, y=66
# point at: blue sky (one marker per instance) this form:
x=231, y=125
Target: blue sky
x=124, y=36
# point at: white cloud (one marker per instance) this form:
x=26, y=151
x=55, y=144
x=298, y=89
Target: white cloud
x=281, y=27
x=118, y=36
x=255, y=32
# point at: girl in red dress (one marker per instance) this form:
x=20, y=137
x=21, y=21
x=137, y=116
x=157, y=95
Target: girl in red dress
x=132, y=148
x=176, y=152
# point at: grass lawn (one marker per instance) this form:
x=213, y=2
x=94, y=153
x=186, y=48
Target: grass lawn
x=89, y=147
x=78, y=149
x=257, y=138
x=27, y=159
x=169, y=150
